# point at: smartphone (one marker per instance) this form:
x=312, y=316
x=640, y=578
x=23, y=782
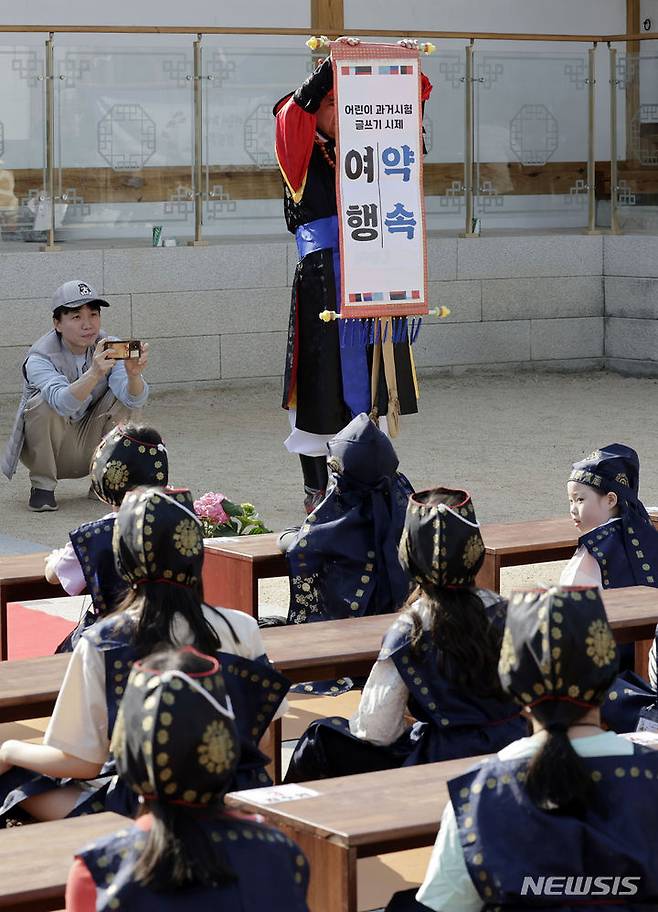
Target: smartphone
x=127, y=350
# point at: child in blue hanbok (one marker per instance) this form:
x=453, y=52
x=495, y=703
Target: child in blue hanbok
x=158, y=548
x=617, y=547
x=438, y=660
x=563, y=819
x=126, y=458
x=177, y=747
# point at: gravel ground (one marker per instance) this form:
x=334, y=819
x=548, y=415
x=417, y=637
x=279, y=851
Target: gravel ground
x=509, y=438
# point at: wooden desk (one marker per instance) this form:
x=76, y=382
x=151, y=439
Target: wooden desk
x=514, y=544
x=35, y=860
x=22, y=578
x=357, y=817
x=233, y=566
x=534, y=542
x=304, y=652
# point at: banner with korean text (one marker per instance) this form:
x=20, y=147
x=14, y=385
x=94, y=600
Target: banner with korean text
x=379, y=180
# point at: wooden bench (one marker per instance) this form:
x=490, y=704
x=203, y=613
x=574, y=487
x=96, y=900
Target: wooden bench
x=29, y=687
x=516, y=544
x=305, y=652
x=234, y=566
x=35, y=860
x=533, y=542
x=357, y=817
x=22, y=578
x=334, y=828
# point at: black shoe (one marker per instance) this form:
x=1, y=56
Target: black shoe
x=312, y=500
x=42, y=501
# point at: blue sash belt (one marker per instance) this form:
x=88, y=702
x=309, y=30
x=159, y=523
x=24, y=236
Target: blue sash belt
x=322, y=234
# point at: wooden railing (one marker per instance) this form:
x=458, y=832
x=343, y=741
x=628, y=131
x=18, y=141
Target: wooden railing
x=149, y=185
x=357, y=33
x=155, y=184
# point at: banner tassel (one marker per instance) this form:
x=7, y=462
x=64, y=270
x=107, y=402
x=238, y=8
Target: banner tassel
x=415, y=329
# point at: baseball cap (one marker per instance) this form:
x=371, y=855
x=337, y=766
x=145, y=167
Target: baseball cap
x=75, y=293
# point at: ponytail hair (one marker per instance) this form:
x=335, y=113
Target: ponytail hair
x=557, y=779
x=158, y=604
x=178, y=852
x=467, y=643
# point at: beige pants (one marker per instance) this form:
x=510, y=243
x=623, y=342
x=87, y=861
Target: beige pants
x=56, y=447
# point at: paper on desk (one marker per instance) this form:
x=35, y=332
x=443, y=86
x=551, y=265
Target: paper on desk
x=277, y=793
x=646, y=738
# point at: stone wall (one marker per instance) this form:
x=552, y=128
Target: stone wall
x=631, y=294
x=220, y=313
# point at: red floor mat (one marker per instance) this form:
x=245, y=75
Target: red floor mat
x=34, y=633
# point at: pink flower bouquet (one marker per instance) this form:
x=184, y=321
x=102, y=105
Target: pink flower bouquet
x=221, y=517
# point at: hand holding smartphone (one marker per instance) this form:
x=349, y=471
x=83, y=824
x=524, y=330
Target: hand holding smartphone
x=124, y=350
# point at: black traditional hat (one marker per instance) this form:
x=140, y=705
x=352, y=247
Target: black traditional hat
x=123, y=462
x=616, y=468
x=613, y=468
x=441, y=545
x=558, y=654
x=343, y=561
x=175, y=739
x=362, y=453
x=157, y=537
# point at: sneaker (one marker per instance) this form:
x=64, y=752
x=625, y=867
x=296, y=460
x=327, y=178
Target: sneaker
x=286, y=538
x=42, y=501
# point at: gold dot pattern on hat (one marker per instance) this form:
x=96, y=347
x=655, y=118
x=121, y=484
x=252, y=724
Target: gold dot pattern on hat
x=600, y=643
x=472, y=551
x=216, y=751
x=507, y=659
x=187, y=538
x=116, y=475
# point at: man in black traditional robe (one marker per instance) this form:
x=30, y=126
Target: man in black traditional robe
x=326, y=384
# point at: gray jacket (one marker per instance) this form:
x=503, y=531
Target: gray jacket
x=50, y=347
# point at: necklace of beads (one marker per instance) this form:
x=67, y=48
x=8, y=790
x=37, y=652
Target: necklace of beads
x=322, y=147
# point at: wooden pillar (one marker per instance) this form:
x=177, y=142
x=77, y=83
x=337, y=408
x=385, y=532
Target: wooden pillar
x=329, y=16
x=632, y=74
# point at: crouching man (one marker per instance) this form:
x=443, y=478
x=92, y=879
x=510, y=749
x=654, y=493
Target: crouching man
x=74, y=392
